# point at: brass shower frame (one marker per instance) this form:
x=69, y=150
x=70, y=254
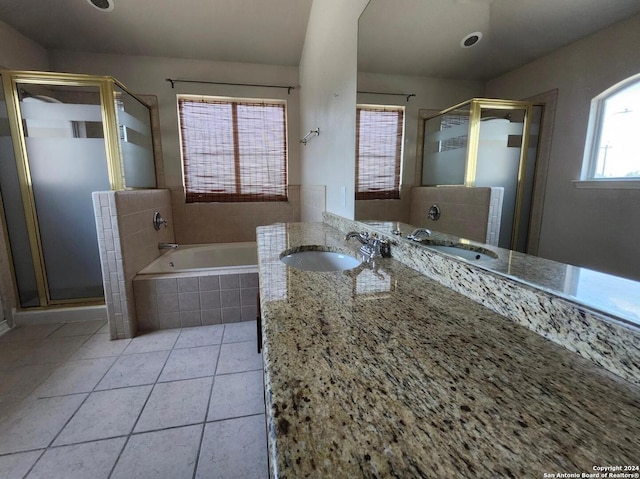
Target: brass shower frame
x=476, y=105
x=105, y=85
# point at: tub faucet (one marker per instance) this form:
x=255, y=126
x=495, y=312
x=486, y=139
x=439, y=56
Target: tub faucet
x=417, y=233
x=167, y=246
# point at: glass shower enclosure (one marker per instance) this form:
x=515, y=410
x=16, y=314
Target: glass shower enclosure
x=62, y=137
x=487, y=142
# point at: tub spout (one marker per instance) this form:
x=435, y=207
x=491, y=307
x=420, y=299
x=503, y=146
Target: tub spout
x=167, y=246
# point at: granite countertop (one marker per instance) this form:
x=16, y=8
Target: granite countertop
x=378, y=372
x=612, y=295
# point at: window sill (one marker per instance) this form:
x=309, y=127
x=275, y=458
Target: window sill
x=625, y=184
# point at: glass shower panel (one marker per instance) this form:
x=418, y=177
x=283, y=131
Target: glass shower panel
x=498, y=160
x=445, y=148
x=65, y=144
x=14, y=215
x=528, y=178
x=136, y=142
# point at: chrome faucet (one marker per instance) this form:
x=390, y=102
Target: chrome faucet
x=415, y=236
x=167, y=246
x=372, y=246
x=362, y=237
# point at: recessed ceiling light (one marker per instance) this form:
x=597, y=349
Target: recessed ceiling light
x=102, y=5
x=470, y=40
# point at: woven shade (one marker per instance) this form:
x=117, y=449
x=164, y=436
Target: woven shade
x=378, y=152
x=233, y=151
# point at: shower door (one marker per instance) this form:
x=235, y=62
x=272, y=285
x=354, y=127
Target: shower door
x=64, y=161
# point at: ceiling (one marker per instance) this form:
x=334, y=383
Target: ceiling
x=250, y=31
x=422, y=37
x=409, y=37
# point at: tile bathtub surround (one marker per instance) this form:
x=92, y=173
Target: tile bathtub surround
x=203, y=223
x=387, y=372
x=127, y=243
x=466, y=212
x=166, y=404
x=186, y=301
x=592, y=334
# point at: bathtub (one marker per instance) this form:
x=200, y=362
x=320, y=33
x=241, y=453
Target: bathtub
x=197, y=285
x=214, y=257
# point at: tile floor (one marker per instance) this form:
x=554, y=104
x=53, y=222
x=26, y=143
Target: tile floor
x=178, y=403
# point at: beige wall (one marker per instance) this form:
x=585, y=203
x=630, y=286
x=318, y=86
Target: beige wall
x=18, y=52
x=596, y=228
x=203, y=222
x=328, y=76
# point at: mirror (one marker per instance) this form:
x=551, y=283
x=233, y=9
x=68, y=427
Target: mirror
x=404, y=49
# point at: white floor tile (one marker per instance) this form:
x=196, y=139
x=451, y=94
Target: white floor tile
x=134, y=370
x=37, y=422
x=162, y=392
x=177, y=403
x=105, y=414
x=14, y=351
x=81, y=461
x=75, y=377
x=170, y=453
x=200, y=336
x=104, y=329
x=23, y=333
x=101, y=346
x=236, y=395
x=15, y=466
x=17, y=383
x=78, y=328
x=53, y=350
x=234, y=448
x=237, y=332
x=153, y=341
x=239, y=357
x=191, y=363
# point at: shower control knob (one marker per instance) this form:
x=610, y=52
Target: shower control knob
x=434, y=213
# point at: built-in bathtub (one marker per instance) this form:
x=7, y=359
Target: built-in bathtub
x=196, y=285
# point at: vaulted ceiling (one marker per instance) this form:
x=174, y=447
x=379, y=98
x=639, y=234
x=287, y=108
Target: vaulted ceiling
x=410, y=37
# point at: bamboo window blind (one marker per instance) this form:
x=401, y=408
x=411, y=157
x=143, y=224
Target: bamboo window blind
x=379, y=132
x=233, y=150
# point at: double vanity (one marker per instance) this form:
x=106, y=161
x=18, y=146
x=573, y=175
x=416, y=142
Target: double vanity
x=380, y=370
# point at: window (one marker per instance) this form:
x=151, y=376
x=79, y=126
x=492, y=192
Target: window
x=379, y=132
x=613, y=151
x=233, y=150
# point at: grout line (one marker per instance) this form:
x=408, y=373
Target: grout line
x=135, y=423
x=35, y=462
x=206, y=413
x=236, y=417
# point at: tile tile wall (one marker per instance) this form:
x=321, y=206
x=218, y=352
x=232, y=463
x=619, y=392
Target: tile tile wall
x=464, y=211
x=312, y=203
x=201, y=223
x=164, y=303
x=128, y=242
x=385, y=210
x=495, y=216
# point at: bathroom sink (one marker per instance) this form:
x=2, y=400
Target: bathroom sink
x=320, y=261
x=464, y=252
